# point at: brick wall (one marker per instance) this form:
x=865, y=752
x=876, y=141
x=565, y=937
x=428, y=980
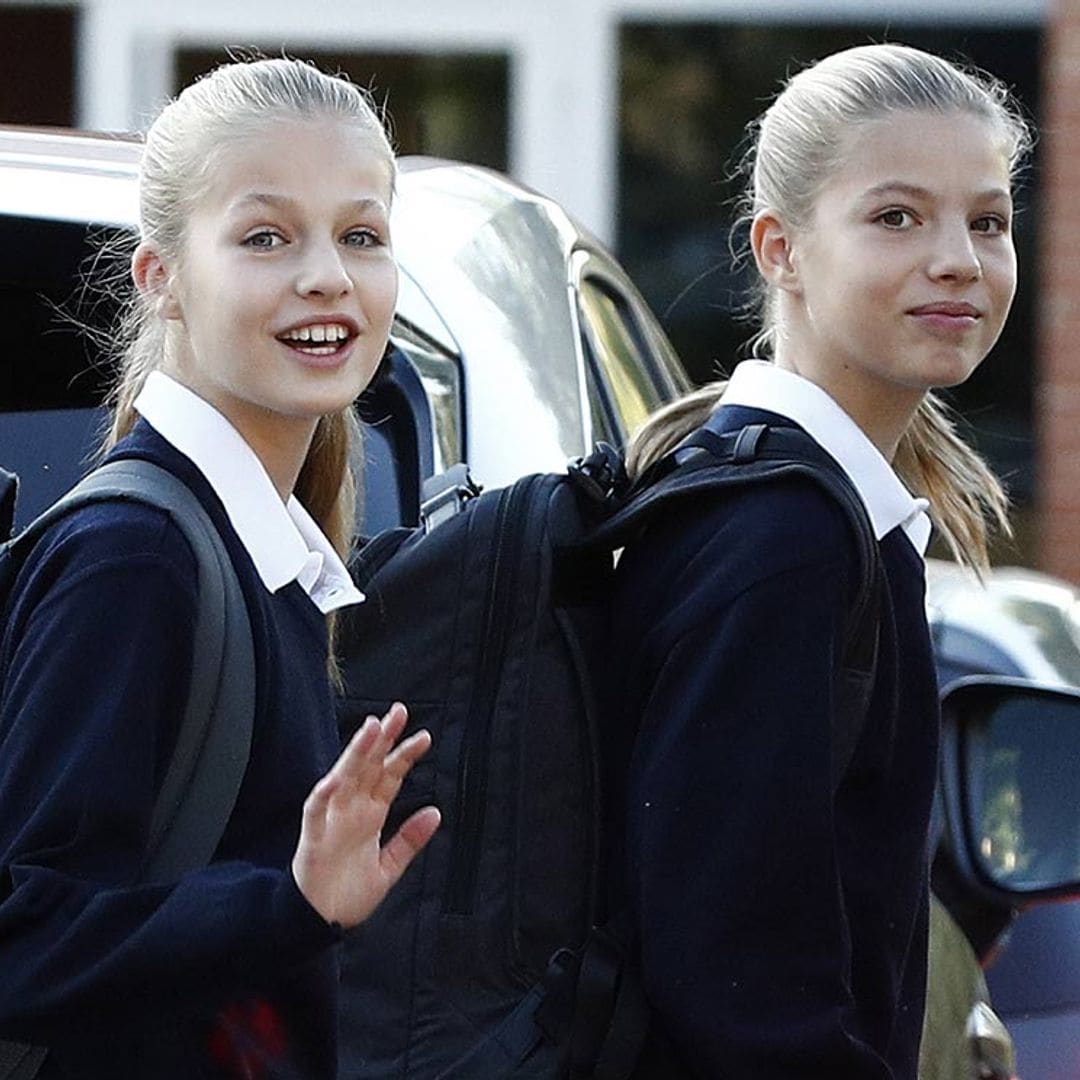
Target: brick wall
x=1057, y=401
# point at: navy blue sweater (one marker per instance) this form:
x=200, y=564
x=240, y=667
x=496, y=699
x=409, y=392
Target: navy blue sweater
x=230, y=969
x=783, y=926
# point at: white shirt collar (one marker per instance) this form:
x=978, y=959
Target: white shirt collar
x=759, y=384
x=283, y=540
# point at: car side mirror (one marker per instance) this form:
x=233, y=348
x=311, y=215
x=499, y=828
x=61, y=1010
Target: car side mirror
x=1010, y=764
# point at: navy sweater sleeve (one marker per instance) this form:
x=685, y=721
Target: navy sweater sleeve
x=96, y=660
x=735, y=622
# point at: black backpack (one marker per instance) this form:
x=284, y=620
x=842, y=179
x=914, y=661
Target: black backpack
x=487, y=962
x=212, y=749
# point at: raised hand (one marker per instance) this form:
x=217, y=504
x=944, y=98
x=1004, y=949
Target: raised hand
x=339, y=864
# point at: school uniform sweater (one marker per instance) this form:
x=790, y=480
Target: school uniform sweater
x=782, y=926
x=229, y=972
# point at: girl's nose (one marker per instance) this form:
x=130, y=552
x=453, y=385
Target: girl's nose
x=955, y=256
x=323, y=273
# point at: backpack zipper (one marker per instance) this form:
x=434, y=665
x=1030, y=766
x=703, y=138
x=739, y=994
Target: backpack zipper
x=510, y=526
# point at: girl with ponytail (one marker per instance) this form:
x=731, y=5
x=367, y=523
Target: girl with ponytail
x=265, y=285
x=780, y=910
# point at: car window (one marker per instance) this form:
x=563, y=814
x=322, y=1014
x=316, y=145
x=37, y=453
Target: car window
x=622, y=391
x=602, y=408
x=51, y=374
x=47, y=362
x=398, y=451
x=49, y=450
x=440, y=374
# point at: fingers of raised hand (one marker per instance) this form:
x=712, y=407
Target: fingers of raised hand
x=394, y=721
x=407, y=843
x=406, y=754
x=364, y=757
x=371, y=766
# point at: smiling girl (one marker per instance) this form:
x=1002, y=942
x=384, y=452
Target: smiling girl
x=781, y=904
x=265, y=291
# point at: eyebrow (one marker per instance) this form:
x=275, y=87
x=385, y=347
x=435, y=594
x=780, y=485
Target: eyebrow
x=915, y=192
x=284, y=202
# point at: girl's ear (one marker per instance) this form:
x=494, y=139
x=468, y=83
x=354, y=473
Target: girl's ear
x=153, y=279
x=771, y=241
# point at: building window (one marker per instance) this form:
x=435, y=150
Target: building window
x=37, y=76
x=450, y=105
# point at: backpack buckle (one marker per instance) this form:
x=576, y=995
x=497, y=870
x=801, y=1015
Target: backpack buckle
x=444, y=495
x=601, y=475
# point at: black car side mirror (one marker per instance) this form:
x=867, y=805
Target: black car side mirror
x=1010, y=786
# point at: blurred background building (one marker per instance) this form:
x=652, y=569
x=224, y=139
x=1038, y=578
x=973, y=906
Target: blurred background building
x=631, y=113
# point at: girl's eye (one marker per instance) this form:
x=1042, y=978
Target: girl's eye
x=896, y=218
x=990, y=224
x=362, y=238
x=264, y=239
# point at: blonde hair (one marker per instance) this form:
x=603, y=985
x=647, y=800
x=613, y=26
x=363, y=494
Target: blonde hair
x=797, y=144
x=182, y=148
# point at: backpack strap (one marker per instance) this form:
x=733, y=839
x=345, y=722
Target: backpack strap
x=781, y=448
x=709, y=461
x=212, y=748
x=783, y=445
x=610, y=1015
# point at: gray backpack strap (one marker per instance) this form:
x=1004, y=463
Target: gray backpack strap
x=214, y=742
x=212, y=748
x=210, y=758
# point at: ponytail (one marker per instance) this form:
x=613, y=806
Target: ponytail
x=967, y=501
x=329, y=489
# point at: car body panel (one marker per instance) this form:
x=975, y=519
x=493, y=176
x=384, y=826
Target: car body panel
x=455, y=247
x=70, y=176
x=474, y=241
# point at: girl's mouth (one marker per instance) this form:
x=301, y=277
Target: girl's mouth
x=947, y=317
x=316, y=339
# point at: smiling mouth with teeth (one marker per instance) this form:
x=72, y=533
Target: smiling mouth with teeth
x=319, y=339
